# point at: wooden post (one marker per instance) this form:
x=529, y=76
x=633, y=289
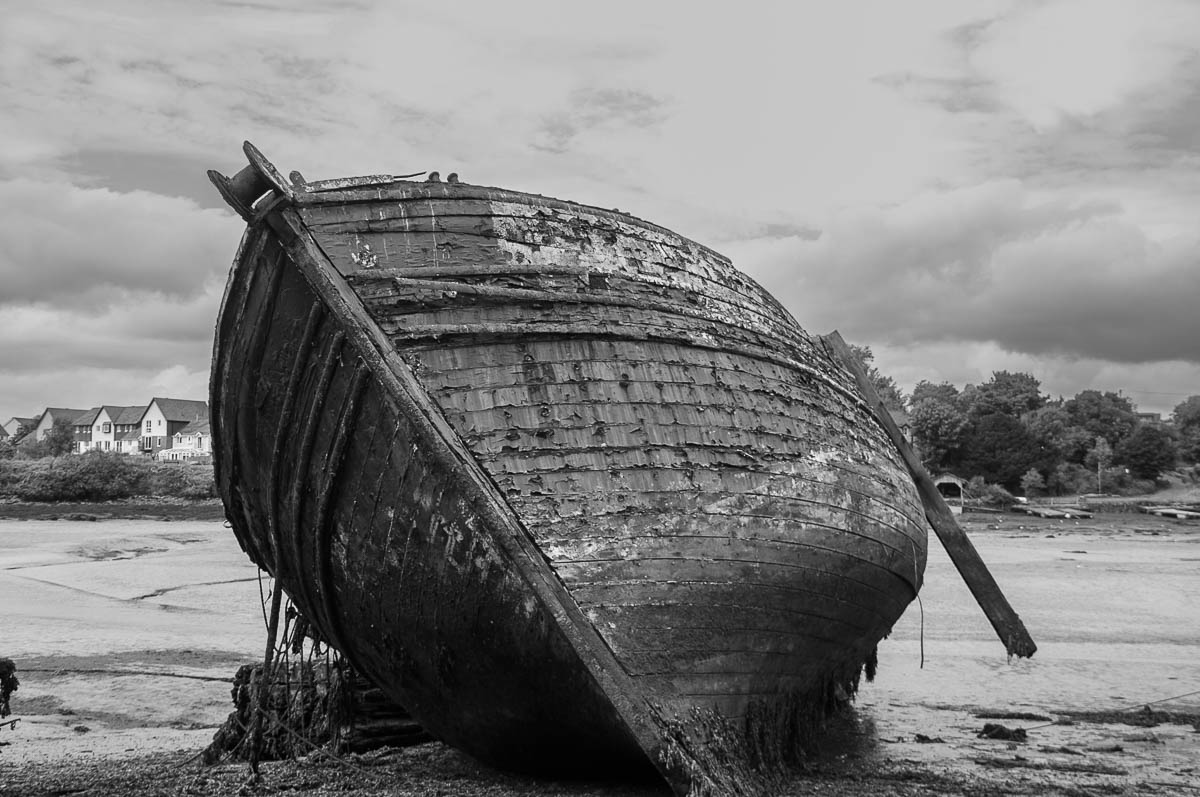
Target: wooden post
x=264, y=680
x=974, y=572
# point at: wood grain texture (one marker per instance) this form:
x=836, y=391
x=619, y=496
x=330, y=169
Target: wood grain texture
x=565, y=483
x=597, y=367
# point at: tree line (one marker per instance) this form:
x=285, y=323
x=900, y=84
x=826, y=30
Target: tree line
x=1007, y=432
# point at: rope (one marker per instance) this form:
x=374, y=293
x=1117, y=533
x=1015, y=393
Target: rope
x=1138, y=707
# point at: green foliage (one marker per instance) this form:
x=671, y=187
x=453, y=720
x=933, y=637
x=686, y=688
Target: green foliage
x=937, y=429
x=1108, y=415
x=993, y=495
x=999, y=449
x=889, y=392
x=1009, y=393
x=102, y=477
x=1032, y=483
x=1186, y=417
x=59, y=440
x=944, y=392
x=1147, y=452
x=1186, y=414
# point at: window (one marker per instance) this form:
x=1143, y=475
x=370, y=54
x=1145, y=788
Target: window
x=149, y=427
x=160, y=421
x=159, y=442
x=107, y=428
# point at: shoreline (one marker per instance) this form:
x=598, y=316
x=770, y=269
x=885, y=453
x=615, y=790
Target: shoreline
x=145, y=508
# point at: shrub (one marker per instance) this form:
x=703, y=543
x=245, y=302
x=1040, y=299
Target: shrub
x=91, y=477
x=992, y=495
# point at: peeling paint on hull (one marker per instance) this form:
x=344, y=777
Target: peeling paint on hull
x=569, y=486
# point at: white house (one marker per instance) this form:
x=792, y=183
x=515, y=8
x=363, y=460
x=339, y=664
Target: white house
x=193, y=440
x=163, y=417
x=110, y=429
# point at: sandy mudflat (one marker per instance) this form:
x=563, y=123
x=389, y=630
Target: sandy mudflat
x=126, y=633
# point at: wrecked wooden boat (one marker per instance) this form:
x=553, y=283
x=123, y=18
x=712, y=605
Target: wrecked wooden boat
x=571, y=488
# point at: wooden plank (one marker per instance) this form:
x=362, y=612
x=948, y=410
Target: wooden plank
x=978, y=578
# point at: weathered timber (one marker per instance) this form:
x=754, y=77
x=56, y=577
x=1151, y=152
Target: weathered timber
x=566, y=485
x=1005, y=621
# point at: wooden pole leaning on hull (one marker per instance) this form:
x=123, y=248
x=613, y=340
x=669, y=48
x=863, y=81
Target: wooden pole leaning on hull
x=974, y=572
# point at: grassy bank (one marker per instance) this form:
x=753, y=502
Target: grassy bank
x=103, y=477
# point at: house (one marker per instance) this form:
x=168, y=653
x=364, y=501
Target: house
x=903, y=422
x=126, y=432
x=19, y=427
x=191, y=442
x=110, y=427
x=52, y=415
x=83, y=430
x=3, y=433
x=163, y=418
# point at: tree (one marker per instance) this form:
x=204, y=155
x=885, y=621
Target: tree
x=1010, y=393
x=1147, y=452
x=1187, y=420
x=1099, y=457
x=925, y=389
x=1108, y=415
x=889, y=392
x=59, y=440
x=937, y=430
x=1186, y=414
x=1032, y=482
x=998, y=448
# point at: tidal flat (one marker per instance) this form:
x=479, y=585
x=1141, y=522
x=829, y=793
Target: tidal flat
x=126, y=635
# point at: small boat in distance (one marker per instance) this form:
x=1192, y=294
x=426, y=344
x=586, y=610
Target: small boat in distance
x=568, y=486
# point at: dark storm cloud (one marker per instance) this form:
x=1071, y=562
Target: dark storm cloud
x=993, y=264
x=75, y=248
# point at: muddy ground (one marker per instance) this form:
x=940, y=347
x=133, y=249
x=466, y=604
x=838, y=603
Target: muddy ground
x=127, y=632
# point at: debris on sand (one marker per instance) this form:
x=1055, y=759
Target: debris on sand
x=8, y=685
x=994, y=730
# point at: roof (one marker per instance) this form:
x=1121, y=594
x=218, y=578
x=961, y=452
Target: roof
x=64, y=413
x=901, y=417
x=89, y=417
x=195, y=427
x=3, y=432
x=129, y=415
x=24, y=421
x=136, y=434
x=178, y=409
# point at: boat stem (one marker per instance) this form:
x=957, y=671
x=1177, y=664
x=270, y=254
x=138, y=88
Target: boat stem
x=974, y=572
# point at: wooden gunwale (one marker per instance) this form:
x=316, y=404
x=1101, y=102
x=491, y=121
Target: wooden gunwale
x=443, y=444
x=451, y=191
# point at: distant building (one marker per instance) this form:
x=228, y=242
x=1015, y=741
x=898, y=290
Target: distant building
x=903, y=422
x=951, y=487
x=83, y=430
x=193, y=441
x=110, y=427
x=1151, y=418
x=127, y=436
x=51, y=416
x=19, y=427
x=163, y=418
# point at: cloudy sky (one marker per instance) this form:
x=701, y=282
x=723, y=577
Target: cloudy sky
x=964, y=186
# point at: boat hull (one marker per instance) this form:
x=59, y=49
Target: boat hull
x=570, y=487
